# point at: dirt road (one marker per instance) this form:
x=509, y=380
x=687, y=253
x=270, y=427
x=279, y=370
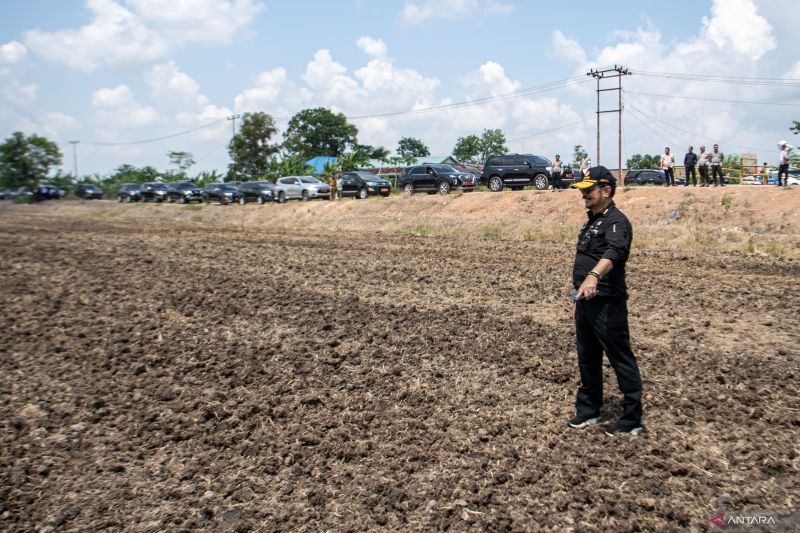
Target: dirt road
x=184, y=371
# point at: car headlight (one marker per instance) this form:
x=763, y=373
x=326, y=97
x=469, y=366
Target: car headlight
x=373, y=183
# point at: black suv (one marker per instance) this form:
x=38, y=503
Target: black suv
x=184, y=192
x=515, y=171
x=224, y=193
x=256, y=191
x=431, y=178
x=156, y=192
x=362, y=184
x=87, y=191
x=129, y=192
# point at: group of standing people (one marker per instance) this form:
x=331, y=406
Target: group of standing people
x=708, y=164
x=558, y=170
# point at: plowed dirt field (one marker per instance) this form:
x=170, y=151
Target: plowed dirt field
x=166, y=368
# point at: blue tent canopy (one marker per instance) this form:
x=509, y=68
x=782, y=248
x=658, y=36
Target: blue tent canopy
x=318, y=163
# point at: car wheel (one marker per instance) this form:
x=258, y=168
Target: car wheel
x=362, y=193
x=281, y=197
x=128, y=199
x=242, y=201
x=171, y=200
x=119, y=199
x=144, y=199
x=408, y=188
x=495, y=184
x=183, y=200
x=444, y=187
x=306, y=196
x=540, y=182
x=260, y=200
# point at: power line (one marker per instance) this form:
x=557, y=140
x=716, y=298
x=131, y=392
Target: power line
x=155, y=139
x=737, y=80
x=750, y=148
x=646, y=125
x=550, y=130
x=480, y=101
x=713, y=99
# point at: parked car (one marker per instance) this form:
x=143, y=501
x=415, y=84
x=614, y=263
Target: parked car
x=129, y=192
x=516, y=171
x=302, y=187
x=362, y=184
x=4, y=194
x=156, y=192
x=184, y=192
x=644, y=176
x=87, y=191
x=431, y=178
x=47, y=192
x=471, y=182
x=256, y=191
x=19, y=191
x=223, y=193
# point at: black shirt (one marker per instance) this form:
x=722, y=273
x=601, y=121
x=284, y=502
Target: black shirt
x=606, y=235
x=690, y=159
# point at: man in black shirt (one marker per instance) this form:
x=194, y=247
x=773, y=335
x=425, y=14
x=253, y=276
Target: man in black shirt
x=689, y=164
x=601, y=311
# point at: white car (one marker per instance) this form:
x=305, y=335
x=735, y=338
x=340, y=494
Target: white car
x=300, y=187
x=752, y=180
x=793, y=180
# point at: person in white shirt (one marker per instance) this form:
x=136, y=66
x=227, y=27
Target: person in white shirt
x=558, y=169
x=668, y=166
x=783, y=168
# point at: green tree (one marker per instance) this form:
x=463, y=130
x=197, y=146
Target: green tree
x=181, y=160
x=250, y=148
x=380, y=153
x=353, y=161
x=577, y=155
x=733, y=164
x=492, y=142
x=468, y=149
x=319, y=131
x=27, y=160
x=638, y=161
x=410, y=147
x=207, y=176
x=795, y=128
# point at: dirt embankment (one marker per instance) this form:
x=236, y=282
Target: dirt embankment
x=209, y=368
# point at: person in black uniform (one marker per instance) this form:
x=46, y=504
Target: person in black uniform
x=601, y=311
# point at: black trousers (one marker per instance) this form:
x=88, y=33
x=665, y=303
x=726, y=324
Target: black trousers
x=703, y=175
x=716, y=175
x=557, y=181
x=783, y=170
x=601, y=325
x=669, y=174
x=690, y=172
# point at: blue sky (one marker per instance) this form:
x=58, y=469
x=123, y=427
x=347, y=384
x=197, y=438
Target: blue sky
x=122, y=71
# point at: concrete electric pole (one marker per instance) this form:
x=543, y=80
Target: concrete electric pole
x=616, y=72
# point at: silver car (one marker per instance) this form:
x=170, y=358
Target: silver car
x=300, y=187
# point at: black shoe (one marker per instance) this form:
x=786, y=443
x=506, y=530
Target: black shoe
x=615, y=429
x=580, y=422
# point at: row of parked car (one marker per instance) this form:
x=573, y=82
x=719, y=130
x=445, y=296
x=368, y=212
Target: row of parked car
x=358, y=184
x=42, y=192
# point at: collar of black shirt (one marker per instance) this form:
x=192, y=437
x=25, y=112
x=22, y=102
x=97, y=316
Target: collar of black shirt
x=610, y=207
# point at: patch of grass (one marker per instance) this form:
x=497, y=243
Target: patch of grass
x=773, y=248
x=196, y=218
x=749, y=247
x=193, y=207
x=726, y=201
x=492, y=232
x=23, y=199
x=422, y=231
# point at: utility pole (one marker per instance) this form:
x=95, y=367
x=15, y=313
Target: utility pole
x=233, y=119
x=74, y=158
x=618, y=72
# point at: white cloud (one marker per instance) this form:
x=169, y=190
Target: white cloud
x=373, y=47
x=568, y=49
x=419, y=12
x=268, y=87
x=12, y=52
x=170, y=86
x=738, y=24
x=19, y=94
x=145, y=31
x=117, y=107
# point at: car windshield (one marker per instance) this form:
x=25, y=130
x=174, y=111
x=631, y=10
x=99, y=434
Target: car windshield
x=447, y=169
x=263, y=184
x=369, y=177
x=158, y=186
x=185, y=186
x=309, y=179
x=91, y=187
